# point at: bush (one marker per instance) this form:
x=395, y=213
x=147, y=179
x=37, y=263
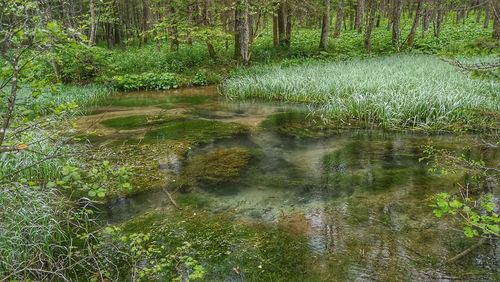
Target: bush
x=145, y=81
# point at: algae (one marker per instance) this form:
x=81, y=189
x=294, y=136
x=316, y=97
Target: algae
x=197, y=131
x=216, y=167
x=299, y=124
x=138, y=121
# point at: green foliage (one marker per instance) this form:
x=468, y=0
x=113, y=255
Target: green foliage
x=94, y=183
x=148, y=81
x=199, y=79
x=479, y=216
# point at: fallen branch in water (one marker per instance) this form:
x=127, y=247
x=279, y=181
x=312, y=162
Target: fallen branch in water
x=466, y=251
x=172, y=199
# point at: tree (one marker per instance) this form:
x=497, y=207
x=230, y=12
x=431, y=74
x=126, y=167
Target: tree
x=325, y=25
x=372, y=7
x=338, y=18
x=413, y=32
x=396, y=23
x=242, y=35
x=360, y=10
x=496, y=19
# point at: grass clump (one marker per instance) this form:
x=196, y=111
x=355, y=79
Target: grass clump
x=197, y=131
x=216, y=167
x=389, y=91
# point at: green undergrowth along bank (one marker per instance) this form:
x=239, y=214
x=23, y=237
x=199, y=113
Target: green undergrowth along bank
x=396, y=91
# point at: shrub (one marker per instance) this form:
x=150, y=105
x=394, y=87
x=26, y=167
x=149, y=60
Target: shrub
x=146, y=81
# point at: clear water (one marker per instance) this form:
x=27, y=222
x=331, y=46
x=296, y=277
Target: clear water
x=360, y=197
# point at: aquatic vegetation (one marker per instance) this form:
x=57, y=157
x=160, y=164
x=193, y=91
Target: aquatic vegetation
x=299, y=124
x=138, y=121
x=162, y=101
x=216, y=167
x=398, y=91
x=197, y=131
x=226, y=249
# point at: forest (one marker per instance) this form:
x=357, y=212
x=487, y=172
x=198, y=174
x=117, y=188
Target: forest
x=249, y=140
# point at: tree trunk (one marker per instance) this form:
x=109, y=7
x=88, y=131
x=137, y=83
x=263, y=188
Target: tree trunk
x=338, y=18
x=288, y=33
x=426, y=21
x=359, y=15
x=496, y=19
x=145, y=20
x=242, y=38
x=281, y=24
x=439, y=19
x=413, y=32
x=487, y=15
x=369, y=26
x=479, y=12
x=172, y=30
x=325, y=25
x=276, y=41
x=93, y=28
x=11, y=102
x=396, y=26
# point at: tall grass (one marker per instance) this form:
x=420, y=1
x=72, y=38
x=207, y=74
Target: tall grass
x=405, y=90
x=31, y=236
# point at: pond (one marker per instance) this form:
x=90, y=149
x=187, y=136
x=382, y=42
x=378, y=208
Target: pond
x=284, y=195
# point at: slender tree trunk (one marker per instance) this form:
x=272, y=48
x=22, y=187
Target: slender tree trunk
x=325, y=25
x=11, y=103
x=396, y=27
x=370, y=25
x=338, y=19
x=351, y=15
x=413, y=32
x=172, y=30
x=426, y=21
x=496, y=19
x=109, y=35
x=145, y=20
x=487, y=15
x=93, y=23
x=439, y=19
x=359, y=15
x=288, y=33
x=276, y=41
x=281, y=24
x=479, y=12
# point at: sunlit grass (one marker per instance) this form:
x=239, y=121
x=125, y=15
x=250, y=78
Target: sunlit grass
x=392, y=91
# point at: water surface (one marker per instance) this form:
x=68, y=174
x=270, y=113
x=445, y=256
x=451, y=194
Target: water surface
x=358, y=199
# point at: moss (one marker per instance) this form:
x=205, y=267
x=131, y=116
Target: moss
x=262, y=252
x=299, y=124
x=197, y=131
x=216, y=167
x=131, y=122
